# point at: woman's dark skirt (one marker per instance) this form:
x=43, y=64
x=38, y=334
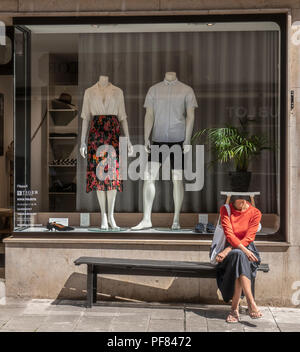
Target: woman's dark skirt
x=235, y=264
x=104, y=132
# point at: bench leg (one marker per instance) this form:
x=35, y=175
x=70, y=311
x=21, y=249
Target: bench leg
x=94, y=287
x=89, y=288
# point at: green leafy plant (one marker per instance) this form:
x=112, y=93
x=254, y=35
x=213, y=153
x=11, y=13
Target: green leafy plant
x=234, y=144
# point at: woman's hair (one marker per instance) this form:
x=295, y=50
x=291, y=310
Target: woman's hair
x=234, y=198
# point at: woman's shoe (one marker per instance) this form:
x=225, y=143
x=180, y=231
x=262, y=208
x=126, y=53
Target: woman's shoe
x=58, y=227
x=255, y=315
x=233, y=317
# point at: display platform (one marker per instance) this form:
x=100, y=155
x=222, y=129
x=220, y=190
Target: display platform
x=127, y=230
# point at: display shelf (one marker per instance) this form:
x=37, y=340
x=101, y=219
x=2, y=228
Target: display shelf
x=61, y=147
x=61, y=193
x=62, y=165
x=63, y=110
x=62, y=137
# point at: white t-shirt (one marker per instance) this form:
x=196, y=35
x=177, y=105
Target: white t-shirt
x=103, y=101
x=170, y=101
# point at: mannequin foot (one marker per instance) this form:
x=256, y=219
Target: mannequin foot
x=104, y=224
x=175, y=225
x=144, y=224
x=113, y=224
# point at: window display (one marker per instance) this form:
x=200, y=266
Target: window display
x=111, y=135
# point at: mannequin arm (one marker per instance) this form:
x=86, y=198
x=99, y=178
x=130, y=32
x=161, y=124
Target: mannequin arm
x=124, y=124
x=189, y=125
x=149, y=121
x=83, y=148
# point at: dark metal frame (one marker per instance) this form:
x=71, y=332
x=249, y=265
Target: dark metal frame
x=279, y=18
x=22, y=109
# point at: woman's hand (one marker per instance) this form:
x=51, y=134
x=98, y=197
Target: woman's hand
x=250, y=255
x=222, y=255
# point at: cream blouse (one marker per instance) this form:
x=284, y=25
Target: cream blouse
x=107, y=101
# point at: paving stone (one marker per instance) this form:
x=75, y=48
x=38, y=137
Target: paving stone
x=223, y=326
x=92, y=323
x=261, y=326
x=67, y=315
x=285, y=310
x=284, y=317
x=7, y=313
x=65, y=306
x=25, y=323
x=160, y=325
x=195, y=327
x=38, y=307
x=15, y=302
x=196, y=315
x=168, y=314
x=2, y=322
x=59, y=323
x=127, y=323
x=289, y=327
x=217, y=314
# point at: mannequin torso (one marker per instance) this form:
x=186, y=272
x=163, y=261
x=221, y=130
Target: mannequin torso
x=170, y=76
x=103, y=85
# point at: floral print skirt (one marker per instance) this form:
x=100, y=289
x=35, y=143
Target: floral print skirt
x=103, y=154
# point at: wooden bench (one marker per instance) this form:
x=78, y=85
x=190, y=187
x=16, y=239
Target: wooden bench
x=119, y=266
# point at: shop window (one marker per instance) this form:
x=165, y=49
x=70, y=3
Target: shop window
x=233, y=71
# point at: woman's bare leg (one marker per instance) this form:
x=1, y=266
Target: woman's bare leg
x=237, y=295
x=234, y=313
x=246, y=286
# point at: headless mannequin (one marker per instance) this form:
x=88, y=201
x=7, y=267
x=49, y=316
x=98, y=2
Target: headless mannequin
x=109, y=197
x=177, y=175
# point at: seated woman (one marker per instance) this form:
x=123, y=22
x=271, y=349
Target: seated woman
x=238, y=262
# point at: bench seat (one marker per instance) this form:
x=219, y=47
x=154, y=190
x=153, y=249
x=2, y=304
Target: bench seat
x=120, y=266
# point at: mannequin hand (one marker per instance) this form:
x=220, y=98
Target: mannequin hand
x=130, y=148
x=148, y=146
x=83, y=150
x=186, y=147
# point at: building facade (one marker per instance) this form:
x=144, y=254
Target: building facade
x=240, y=58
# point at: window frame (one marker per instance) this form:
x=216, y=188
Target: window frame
x=280, y=18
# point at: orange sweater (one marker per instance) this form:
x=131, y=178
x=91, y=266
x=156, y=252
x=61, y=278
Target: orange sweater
x=242, y=226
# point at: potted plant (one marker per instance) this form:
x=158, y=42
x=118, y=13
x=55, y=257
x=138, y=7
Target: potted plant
x=234, y=144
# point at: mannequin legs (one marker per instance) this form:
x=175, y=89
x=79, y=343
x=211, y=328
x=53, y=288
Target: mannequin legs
x=111, y=198
x=148, y=195
x=107, y=218
x=178, y=192
x=102, y=202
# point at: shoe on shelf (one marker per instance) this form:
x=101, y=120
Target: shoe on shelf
x=58, y=227
x=199, y=228
x=210, y=228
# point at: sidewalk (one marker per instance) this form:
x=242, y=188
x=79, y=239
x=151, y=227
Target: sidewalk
x=47, y=315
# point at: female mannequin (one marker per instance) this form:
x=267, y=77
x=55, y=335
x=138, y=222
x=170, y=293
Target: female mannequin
x=103, y=90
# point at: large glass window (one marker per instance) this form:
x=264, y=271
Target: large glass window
x=229, y=73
